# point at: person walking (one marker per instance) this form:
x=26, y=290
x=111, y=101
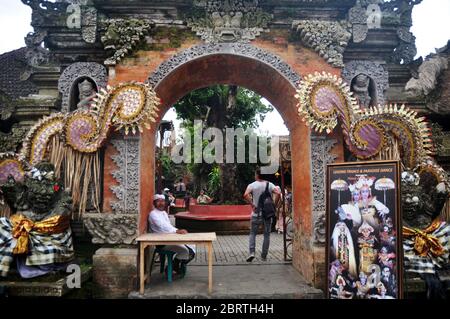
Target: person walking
x=252, y=195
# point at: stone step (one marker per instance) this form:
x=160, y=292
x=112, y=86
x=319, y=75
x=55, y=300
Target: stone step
x=45, y=286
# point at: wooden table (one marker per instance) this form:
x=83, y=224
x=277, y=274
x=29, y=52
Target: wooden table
x=153, y=239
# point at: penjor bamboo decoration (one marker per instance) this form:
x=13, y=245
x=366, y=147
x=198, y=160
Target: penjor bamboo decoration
x=81, y=175
x=72, y=141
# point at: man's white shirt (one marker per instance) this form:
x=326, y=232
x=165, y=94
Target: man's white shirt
x=159, y=222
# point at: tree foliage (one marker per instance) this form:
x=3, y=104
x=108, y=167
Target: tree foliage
x=222, y=106
x=200, y=104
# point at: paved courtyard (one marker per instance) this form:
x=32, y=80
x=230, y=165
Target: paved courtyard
x=233, y=277
x=232, y=282
x=233, y=250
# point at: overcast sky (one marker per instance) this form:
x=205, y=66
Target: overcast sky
x=431, y=27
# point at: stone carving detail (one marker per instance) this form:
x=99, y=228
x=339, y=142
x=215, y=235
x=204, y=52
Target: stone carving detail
x=357, y=16
x=405, y=51
x=363, y=18
x=43, y=12
x=11, y=142
x=320, y=157
x=228, y=21
x=320, y=225
x=405, y=35
x=398, y=10
x=76, y=71
x=242, y=49
x=111, y=228
x=89, y=24
x=399, y=13
x=372, y=14
x=376, y=73
x=429, y=72
x=122, y=35
x=86, y=94
x=36, y=55
x=328, y=38
x=127, y=175
x=361, y=90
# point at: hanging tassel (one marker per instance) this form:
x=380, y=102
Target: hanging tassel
x=96, y=182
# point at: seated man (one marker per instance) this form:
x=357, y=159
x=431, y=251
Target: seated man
x=203, y=198
x=159, y=223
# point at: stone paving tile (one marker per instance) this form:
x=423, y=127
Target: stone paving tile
x=233, y=250
x=232, y=281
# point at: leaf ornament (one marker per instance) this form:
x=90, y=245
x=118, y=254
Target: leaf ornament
x=35, y=144
x=323, y=99
x=12, y=165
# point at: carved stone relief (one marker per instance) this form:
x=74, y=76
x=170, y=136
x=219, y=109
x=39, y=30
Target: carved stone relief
x=127, y=175
x=228, y=21
x=328, y=38
x=241, y=49
x=375, y=72
x=357, y=16
x=405, y=51
x=89, y=24
x=12, y=141
x=76, y=72
x=400, y=11
x=111, y=228
x=121, y=35
x=320, y=156
x=43, y=11
x=373, y=14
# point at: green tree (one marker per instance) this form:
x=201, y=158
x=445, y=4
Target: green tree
x=222, y=106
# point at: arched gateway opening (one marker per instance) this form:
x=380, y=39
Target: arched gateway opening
x=261, y=72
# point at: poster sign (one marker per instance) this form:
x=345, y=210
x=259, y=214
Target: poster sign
x=363, y=255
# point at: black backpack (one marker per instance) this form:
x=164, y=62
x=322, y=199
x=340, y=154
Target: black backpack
x=266, y=205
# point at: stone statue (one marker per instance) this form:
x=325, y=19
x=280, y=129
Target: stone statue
x=425, y=234
x=37, y=235
x=360, y=88
x=87, y=94
x=428, y=75
x=422, y=199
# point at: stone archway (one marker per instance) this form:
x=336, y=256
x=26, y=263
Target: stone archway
x=266, y=74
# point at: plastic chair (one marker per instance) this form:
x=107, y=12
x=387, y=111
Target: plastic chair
x=162, y=259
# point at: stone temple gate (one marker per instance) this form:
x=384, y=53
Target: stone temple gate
x=178, y=46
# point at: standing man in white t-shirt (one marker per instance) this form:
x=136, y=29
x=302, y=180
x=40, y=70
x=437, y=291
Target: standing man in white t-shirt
x=251, y=195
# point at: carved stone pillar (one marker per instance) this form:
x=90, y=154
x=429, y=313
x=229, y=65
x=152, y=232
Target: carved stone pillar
x=120, y=226
x=320, y=156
